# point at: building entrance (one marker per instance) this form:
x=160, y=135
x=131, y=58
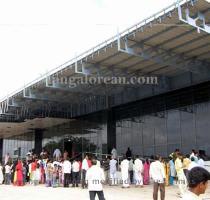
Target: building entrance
x=68, y=146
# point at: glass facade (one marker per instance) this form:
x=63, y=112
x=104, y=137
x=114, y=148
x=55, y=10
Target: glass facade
x=18, y=146
x=87, y=134
x=82, y=135
x=156, y=125
x=161, y=133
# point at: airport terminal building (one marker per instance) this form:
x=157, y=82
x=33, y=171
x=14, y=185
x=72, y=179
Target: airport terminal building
x=168, y=106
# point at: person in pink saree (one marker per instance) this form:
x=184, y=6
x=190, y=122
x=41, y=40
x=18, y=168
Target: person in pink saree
x=146, y=172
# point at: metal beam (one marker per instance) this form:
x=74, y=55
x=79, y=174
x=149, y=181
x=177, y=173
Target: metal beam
x=13, y=103
x=193, y=21
x=156, y=35
x=94, y=72
x=80, y=89
x=172, y=49
x=165, y=57
x=90, y=103
x=32, y=95
x=145, y=40
x=186, y=43
x=76, y=90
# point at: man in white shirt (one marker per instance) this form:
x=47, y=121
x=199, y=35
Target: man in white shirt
x=138, y=170
x=75, y=173
x=67, y=172
x=124, y=172
x=85, y=167
x=7, y=174
x=198, y=182
x=113, y=171
x=95, y=177
x=157, y=173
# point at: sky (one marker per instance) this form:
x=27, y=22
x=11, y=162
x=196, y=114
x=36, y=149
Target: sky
x=37, y=36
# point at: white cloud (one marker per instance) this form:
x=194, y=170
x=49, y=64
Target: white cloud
x=37, y=35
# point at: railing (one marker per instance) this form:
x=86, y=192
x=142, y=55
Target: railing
x=96, y=154
x=100, y=155
x=119, y=158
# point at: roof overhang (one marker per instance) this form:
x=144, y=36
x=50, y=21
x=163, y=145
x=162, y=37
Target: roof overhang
x=172, y=45
x=8, y=129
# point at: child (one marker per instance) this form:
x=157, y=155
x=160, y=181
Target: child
x=49, y=173
x=55, y=176
x=60, y=172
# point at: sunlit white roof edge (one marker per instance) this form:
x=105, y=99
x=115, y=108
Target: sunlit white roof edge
x=100, y=46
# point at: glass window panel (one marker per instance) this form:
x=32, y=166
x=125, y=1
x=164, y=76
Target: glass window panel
x=173, y=127
x=160, y=131
x=203, y=125
x=161, y=150
x=188, y=131
x=148, y=131
x=148, y=151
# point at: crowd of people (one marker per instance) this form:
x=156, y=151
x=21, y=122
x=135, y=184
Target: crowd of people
x=59, y=171
x=161, y=171
x=53, y=172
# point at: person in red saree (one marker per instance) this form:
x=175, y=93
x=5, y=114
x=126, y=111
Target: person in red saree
x=146, y=172
x=19, y=171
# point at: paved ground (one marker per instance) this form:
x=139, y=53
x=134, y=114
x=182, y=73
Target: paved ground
x=111, y=193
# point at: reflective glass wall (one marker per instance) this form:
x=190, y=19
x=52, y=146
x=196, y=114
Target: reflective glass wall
x=87, y=134
x=18, y=146
x=162, y=132
x=155, y=125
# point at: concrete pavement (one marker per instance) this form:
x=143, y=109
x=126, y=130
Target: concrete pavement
x=111, y=193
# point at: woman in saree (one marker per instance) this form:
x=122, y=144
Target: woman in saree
x=19, y=173
x=146, y=172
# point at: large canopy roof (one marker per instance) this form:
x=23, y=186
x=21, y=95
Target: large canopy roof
x=173, y=44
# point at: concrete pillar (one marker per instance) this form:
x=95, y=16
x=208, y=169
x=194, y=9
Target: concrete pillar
x=38, y=141
x=111, y=130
